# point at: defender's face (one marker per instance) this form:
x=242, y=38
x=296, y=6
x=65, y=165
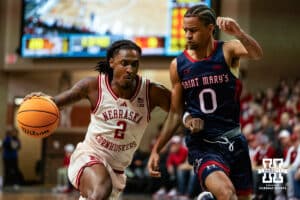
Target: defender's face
x=125, y=65
x=196, y=33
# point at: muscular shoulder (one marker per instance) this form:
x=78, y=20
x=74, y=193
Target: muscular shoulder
x=159, y=96
x=86, y=87
x=233, y=50
x=87, y=83
x=173, y=64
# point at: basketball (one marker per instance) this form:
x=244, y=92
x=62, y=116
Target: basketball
x=38, y=117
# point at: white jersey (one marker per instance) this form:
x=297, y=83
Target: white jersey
x=117, y=125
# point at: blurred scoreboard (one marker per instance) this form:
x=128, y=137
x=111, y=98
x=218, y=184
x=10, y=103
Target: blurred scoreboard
x=84, y=46
x=177, y=37
x=66, y=45
x=176, y=40
x=92, y=45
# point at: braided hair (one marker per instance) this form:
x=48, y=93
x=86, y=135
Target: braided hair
x=104, y=67
x=204, y=13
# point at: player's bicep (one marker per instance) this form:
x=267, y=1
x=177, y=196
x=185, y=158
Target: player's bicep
x=77, y=92
x=237, y=48
x=233, y=51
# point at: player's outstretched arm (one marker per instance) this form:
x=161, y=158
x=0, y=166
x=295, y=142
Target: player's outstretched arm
x=79, y=91
x=171, y=123
x=247, y=47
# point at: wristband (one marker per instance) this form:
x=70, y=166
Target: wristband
x=185, y=115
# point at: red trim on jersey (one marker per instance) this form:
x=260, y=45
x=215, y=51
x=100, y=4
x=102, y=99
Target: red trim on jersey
x=148, y=99
x=115, y=96
x=89, y=164
x=99, y=94
x=139, y=83
x=109, y=88
x=187, y=55
x=245, y=192
x=212, y=162
x=238, y=90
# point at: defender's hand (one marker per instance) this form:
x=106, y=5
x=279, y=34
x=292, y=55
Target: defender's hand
x=229, y=26
x=153, y=165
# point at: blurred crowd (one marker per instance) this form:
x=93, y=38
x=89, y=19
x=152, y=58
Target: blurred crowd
x=177, y=181
x=271, y=123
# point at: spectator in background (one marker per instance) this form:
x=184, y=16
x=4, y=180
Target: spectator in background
x=283, y=117
x=177, y=156
x=267, y=126
x=292, y=162
x=137, y=167
x=283, y=125
x=285, y=143
x=63, y=184
x=11, y=146
x=250, y=137
x=270, y=102
x=264, y=150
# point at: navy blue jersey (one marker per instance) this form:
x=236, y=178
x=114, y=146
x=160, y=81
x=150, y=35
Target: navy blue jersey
x=210, y=91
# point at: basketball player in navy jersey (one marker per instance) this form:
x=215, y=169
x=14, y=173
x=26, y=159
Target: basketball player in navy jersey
x=121, y=102
x=207, y=89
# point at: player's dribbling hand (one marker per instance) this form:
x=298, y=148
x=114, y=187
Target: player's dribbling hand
x=194, y=124
x=229, y=26
x=36, y=94
x=153, y=165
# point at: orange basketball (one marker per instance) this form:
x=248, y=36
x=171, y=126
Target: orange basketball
x=38, y=117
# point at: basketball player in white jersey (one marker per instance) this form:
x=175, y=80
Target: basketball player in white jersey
x=121, y=103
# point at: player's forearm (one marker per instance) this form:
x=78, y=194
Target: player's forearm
x=64, y=99
x=170, y=126
x=254, y=50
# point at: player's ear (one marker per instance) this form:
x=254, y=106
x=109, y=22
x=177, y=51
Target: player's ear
x=111, y=62
x=211, y=28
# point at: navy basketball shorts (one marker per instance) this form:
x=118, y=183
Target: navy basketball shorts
x=228, y=155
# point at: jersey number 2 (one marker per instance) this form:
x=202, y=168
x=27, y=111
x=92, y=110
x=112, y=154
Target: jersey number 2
x=120, y=132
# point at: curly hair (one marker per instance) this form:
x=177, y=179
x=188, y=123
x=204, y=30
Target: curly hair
x=204, y=13
x=103, y=66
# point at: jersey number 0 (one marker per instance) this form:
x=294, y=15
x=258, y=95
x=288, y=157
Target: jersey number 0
x=213, y=97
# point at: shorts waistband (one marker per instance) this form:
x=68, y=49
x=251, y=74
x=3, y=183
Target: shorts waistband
x=231, y=133
x=225, y=138
x=228, y=134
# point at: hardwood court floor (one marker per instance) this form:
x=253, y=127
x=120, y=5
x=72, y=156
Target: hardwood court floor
x=37, y=193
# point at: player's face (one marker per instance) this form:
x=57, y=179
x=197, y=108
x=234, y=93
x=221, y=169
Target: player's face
x=196, y=33
x=125, y=65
